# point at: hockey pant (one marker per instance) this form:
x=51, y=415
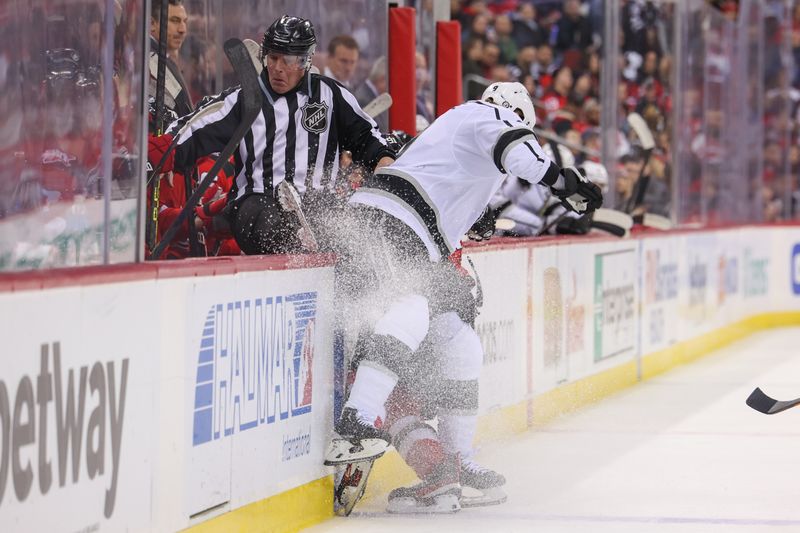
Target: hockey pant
x=440, y=379
x=261, y=226
x=443, y=385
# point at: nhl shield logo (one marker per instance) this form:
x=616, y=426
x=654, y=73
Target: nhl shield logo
x=315, y=117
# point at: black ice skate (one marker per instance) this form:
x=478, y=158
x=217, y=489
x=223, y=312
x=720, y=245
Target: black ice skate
x=439, y=492
x=481, y=486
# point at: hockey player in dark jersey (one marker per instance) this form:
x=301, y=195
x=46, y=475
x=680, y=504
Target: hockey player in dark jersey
x=306, y=123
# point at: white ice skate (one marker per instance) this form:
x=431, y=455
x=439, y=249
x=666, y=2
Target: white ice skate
x=353, y=454
x=349, y=484
x=438, y=493
x=481, y=486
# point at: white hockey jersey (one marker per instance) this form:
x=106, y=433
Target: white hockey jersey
x=443, y=180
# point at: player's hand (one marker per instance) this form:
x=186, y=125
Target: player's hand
x=157, y=146
x=579, y=194
x=483, y=228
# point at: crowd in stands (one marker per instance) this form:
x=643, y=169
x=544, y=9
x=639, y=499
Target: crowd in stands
x=556, y=49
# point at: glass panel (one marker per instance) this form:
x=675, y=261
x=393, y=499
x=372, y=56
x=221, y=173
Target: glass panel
x=207, y=71
x=705, y=104
x=58, y=207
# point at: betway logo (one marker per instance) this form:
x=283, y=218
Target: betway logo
x=254, y=364
x=28, y=420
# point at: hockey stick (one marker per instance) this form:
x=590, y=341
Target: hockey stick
x=611, y=221
x=552, y=223
x=639, y=126
x=254, y=49
x=290, y=201
x=504, y=224
x=764, y=404
x=151, y=228
x=251, y=106
x=381, y=103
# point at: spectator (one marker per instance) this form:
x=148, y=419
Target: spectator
x=375, y=85
x=526, y=57
x=424, y=97
x=176, y=96
x=543, y=68
x=471, y=66
x=342, y=59
x=529, y=83
x=591, y=140
x=491, y=58
x=638, y=195
x=556, y=97
x=473, y=55
x=508, y=48
x=478, y=29
x=527, y=31
x=638, y=16
x=573, y=29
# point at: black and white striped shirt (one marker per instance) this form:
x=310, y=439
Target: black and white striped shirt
x=299, y=136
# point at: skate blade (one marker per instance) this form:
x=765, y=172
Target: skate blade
x=478, y=498
x=350, y=482
x=443, y=504
x=342, y=451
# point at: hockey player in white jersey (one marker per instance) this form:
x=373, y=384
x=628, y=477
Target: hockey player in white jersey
x=413, y=214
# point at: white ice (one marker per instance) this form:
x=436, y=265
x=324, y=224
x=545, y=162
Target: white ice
x=678, y=453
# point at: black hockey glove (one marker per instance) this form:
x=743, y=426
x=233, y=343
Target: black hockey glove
x=574, y=226
x=483, y=228
x=579, y=194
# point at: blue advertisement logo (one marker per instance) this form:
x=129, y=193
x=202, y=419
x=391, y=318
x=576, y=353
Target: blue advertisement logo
x=794, y=268
x=254, y=364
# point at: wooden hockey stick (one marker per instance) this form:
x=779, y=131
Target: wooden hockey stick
x=769, y=406
x=642, y=130
x=151, y=224
x=380, y=104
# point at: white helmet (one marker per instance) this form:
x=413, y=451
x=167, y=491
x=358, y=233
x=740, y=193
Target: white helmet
x=596, y=173
x=514, y=96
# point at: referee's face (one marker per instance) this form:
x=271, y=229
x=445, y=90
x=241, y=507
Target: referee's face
x=284, y=72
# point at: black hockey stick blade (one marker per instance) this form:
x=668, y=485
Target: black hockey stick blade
x=250, y=97
x=764, y=404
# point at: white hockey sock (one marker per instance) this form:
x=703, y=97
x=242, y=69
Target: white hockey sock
x=371, y=388
x=456, y=432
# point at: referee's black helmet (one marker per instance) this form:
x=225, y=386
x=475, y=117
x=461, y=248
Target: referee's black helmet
x=290, y=35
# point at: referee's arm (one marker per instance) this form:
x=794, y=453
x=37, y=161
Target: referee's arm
x=208, y=133
x=359, y=133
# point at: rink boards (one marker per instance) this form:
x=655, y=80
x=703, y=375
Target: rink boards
x=169, y=395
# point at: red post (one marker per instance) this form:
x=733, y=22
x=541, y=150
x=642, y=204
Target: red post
x=402, y=76
x=449, y=84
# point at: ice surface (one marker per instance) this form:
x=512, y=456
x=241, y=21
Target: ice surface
x=678, y=453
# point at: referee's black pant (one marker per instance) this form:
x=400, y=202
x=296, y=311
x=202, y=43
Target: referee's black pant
x=261, y=226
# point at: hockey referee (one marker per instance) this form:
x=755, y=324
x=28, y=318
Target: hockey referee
x=306, y=122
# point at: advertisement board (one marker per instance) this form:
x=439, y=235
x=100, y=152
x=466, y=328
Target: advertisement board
x=697, y=291
x=501, y=325
x=659, y=259
x=78, y=399
x=260, y=393
x=785, y=268
x=615, y=316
